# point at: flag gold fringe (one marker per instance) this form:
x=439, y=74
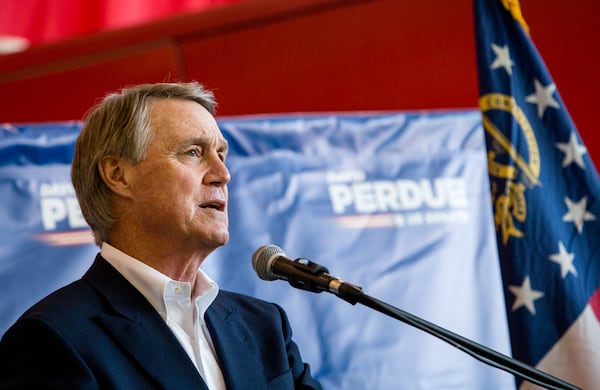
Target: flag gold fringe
x=514, y=8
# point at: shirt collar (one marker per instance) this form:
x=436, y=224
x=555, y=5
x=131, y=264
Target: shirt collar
x=156, y=286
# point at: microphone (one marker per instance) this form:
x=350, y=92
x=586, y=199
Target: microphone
x=271, y=263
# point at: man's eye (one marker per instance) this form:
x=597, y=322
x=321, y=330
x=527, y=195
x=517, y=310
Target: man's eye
x=193, y=153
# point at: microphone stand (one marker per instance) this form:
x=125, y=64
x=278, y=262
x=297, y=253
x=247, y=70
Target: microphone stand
x=353, y=294
x=304, y=274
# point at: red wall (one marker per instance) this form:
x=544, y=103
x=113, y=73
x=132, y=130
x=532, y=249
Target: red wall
x=269, y=56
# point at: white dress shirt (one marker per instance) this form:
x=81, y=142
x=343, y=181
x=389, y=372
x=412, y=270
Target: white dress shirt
x=182, y=310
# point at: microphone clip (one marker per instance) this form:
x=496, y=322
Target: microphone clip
x=303, y=266
x=321, y=280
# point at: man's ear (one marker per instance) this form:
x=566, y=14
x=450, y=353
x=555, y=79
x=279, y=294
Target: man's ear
x=114, y=173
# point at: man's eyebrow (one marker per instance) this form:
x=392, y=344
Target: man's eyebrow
x=222, y=143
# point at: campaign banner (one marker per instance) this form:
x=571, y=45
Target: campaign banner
x=397, y=203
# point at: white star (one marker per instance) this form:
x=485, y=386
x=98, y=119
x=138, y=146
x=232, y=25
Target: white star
x=542, y=97
x=573, y=151
x=565, y=259
x=502, y=59
x=524, y=296
x=577, y=213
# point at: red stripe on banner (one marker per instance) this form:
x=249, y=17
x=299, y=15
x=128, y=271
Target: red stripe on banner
x=366, y=221
x=73, y=238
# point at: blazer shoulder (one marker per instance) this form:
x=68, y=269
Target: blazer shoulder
x=74, y=297
x=76, y=303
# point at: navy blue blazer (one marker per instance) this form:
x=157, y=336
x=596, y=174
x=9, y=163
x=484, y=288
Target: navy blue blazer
x=100, y=332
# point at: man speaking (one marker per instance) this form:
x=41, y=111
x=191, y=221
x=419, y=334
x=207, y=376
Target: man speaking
x=150, y=177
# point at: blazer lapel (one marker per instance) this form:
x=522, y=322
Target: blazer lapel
x=233, y=343
x=140, y=329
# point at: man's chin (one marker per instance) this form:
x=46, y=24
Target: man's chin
x=218, y=240
x=225, y=240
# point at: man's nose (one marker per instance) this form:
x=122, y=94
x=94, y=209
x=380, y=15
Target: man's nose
x=218, y=173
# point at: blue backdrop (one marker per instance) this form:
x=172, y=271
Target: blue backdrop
x=397, y=203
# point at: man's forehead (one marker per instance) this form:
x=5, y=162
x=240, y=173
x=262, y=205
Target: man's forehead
x=182, y=120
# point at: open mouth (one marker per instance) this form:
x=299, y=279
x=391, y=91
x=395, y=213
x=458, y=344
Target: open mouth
x=215, y=205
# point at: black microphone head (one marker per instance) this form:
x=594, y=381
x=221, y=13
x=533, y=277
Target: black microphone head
x=263, y=258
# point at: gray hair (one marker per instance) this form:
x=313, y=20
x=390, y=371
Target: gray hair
x=119, y=127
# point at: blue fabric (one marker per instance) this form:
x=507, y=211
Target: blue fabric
x=397, y=203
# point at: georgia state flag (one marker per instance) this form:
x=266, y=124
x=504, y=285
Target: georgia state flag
x=545, y=192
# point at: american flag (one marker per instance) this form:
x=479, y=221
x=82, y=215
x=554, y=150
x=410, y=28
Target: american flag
x=545, y=192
